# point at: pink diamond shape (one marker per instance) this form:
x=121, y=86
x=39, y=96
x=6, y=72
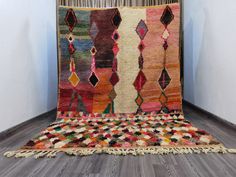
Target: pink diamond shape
x=141, y=29
x=115, y=49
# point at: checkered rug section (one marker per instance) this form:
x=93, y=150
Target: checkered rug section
x=121, y=131
x=121, y=134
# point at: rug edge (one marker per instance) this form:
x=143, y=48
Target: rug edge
x=155, y=150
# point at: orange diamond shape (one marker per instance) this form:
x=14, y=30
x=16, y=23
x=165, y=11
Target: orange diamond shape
x=163, y=99
x=74, y=79
x=139, y=100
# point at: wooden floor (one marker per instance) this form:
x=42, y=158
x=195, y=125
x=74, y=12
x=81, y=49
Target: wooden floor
x=204, y=165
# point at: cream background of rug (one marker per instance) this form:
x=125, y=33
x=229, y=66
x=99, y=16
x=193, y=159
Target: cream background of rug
x=127, y=63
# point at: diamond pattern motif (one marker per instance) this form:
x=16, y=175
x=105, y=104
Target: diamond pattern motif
x=115, y=49
x=164, y=79
x=113, y=131
x=93, y=50
x=165, y=34
x=116, y=19
x=165, y=109
x=93, y=30
x=71, y=48
x=139, y=100
x=167, y=16
x=112, y=94
x=139, y=81
x=141, y=46
x=70, y=19
x=141, y=29
x=114, y=78
x=72, y=65
x=105, y=57
x=74, y=79
x=100, y=131
x=115, y=35
x=140, y=61
x=93, y=79
x=114, y=65
x=163, y=98
x=165, y=45
x=70, y=37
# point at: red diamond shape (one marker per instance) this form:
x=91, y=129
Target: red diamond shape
x=114, y=78
x=141, y=46
x=114, y=65
x=165, y=45
x=71, y=48
x=70, y=19
x=139, y=81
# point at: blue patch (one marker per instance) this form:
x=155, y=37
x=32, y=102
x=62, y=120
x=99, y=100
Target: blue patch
x=83, y=45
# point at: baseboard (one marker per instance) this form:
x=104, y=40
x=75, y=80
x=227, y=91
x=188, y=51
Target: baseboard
x=7, y=133
x=211, y=115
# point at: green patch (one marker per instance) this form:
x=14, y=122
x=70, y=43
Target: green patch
x=70, y=137
x=87, y=136
x=57, y=128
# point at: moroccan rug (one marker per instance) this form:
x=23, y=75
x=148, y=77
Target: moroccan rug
x=119, y=86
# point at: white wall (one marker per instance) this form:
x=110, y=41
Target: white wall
x=28, y=64
x=210, y=56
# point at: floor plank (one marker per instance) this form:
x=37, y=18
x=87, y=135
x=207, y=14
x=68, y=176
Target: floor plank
x=189, y=165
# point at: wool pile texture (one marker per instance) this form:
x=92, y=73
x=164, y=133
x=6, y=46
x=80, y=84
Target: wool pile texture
x=119, y=86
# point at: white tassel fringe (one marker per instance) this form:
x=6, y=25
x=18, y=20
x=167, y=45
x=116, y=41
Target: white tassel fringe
x=121, y=151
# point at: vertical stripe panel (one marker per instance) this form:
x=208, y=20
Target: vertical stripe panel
x=173, y=91
x=127, y=59
x=153, y=60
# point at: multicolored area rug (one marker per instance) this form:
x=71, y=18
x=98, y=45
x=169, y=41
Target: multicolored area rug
x=119, y=60
x=119, y=89
x=120, y=135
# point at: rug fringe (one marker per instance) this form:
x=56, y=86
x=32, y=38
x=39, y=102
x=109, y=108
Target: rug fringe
x=28, y=153
x=232, y=151
x=121, y=151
